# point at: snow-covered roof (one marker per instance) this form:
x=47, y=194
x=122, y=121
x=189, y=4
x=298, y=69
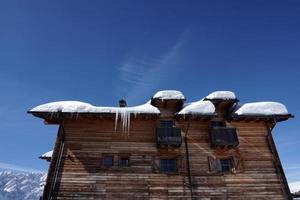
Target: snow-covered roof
x=169, y=94
x=199, y=107
x=63, y=106
x=81, y=107
x=47, y=154
x=262, y=108
x=225, y=95
x=202, y=107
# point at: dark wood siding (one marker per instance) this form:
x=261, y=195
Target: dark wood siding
x=81, y=175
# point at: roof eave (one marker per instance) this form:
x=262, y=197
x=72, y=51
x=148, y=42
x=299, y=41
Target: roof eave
x=204, y=117
x=217, y=100
x=277, y=118
x=153, y=100
x=57, y=117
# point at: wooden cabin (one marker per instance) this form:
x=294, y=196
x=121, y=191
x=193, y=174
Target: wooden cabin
x=211, y=149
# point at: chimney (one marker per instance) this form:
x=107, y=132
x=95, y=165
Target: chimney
x=122, y=103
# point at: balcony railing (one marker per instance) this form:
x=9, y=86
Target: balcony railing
x=168, y=136
x=223, y=137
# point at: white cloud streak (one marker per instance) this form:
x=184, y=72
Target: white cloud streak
x=144, y=74
x=292, y=167
x=18, y=168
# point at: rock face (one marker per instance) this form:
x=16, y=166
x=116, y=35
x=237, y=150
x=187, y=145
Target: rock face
x=21, y=185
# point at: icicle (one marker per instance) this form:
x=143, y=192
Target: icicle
x=128, y=123
x=124, y=119
x=125, y=122
x=52, y=113
x=116, y=120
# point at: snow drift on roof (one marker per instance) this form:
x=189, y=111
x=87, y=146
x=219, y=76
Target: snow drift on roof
x=47, y=154
x=81, y=107
x=221, y=95
x=169, y=94
x=63, y=106
x=262, y=108
x=198, y=107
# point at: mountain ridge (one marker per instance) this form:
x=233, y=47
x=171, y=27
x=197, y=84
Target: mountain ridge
x=19, y=185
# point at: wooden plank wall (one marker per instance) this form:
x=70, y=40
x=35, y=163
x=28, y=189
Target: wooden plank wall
x=255, y=177
x=81, y=175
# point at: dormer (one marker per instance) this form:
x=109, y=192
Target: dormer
x=223, y=101
x=168, y=102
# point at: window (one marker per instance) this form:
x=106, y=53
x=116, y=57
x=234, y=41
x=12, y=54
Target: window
x=166, y=124
x=229, y=164
x=168, y=165
x=124, y=161
x=222, y=136
x=167, y=135
x=217, y=124
x=108, y=161
x=226, y=165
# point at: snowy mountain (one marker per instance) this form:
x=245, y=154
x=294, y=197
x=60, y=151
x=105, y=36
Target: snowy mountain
x=294, y=186
x=16, y=185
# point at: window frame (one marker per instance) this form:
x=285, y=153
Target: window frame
x=168, y=171
x=103, y=160
x=166, y=123
x=120, y=160
x=217, y=123
x=228, y=165
x=215, y=164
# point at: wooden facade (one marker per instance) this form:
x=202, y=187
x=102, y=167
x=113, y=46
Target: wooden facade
x=78, y=171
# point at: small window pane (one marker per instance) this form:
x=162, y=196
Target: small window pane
x=168, y=165
x=226, y=165
x=217, y=124
x=124, y=161
x=108, y=161
x=166, y=124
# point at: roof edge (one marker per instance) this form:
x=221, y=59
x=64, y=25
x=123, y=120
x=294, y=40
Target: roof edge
x=278, y=118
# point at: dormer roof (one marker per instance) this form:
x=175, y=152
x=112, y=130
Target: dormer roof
x=169, y=95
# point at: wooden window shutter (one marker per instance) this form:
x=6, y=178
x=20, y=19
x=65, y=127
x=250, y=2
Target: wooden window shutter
x=218, y=165
x=237, y=164
x=155, y=164
x=179, y=164
x=214, y=164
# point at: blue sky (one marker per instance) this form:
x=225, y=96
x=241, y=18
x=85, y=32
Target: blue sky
x=101, y=51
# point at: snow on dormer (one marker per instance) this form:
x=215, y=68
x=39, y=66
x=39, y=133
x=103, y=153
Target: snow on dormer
x=224, y=95
x=168, y=95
